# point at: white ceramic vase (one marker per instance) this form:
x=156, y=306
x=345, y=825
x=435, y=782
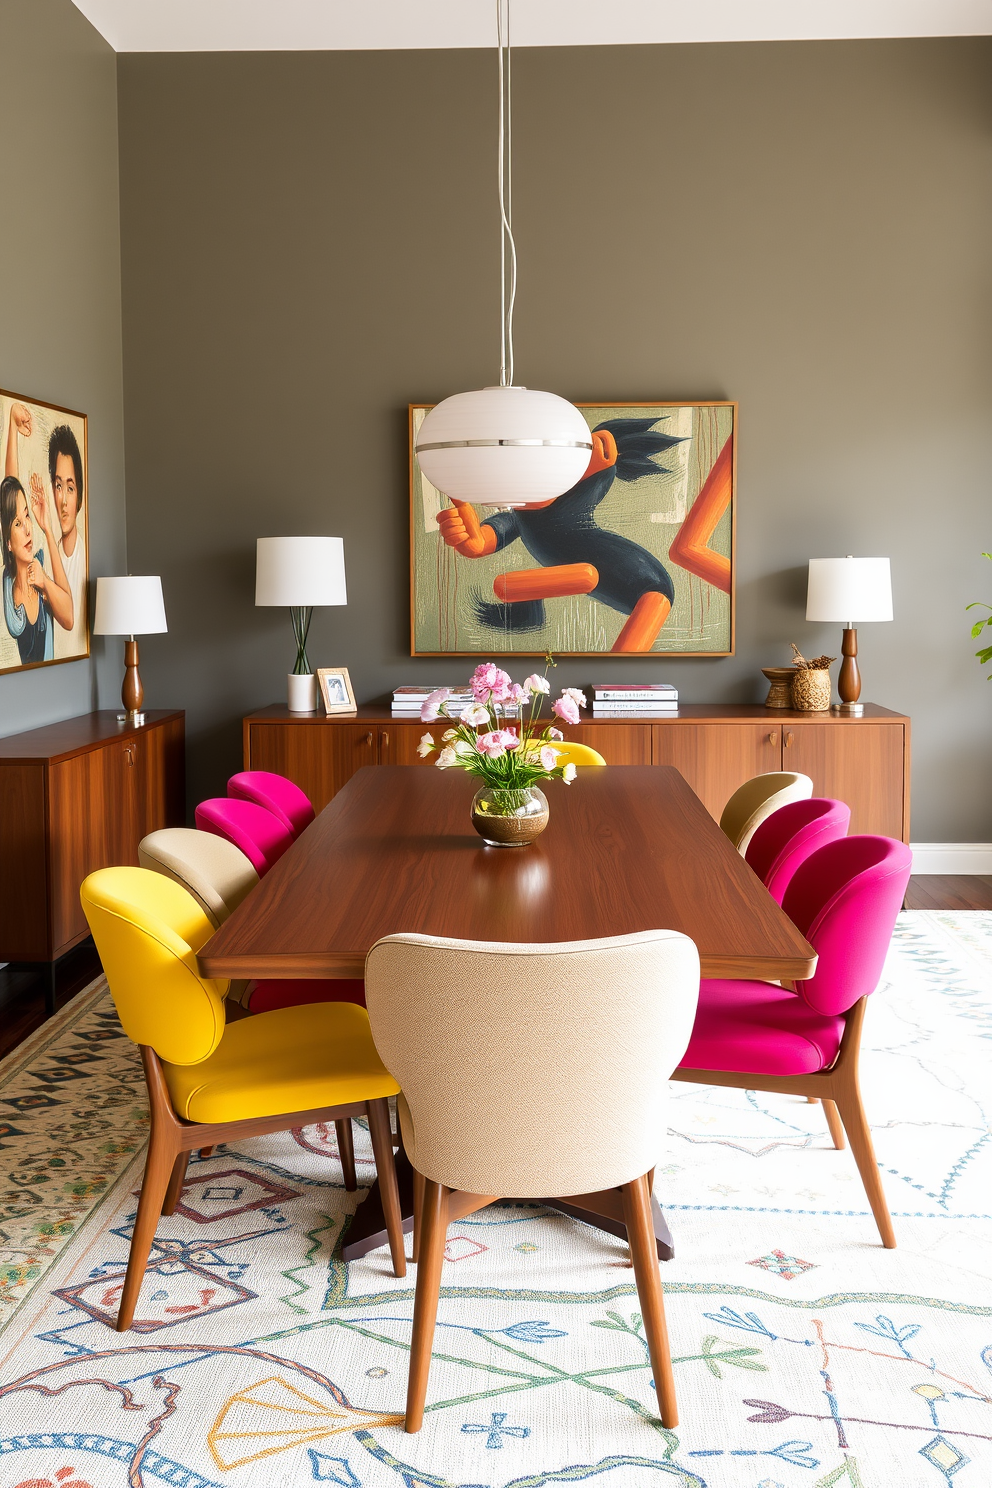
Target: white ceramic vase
x=302, y=692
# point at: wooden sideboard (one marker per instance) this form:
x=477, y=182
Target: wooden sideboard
x=863, y=761
x=76, y=796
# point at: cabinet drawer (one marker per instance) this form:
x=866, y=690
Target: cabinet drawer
x=93, y=825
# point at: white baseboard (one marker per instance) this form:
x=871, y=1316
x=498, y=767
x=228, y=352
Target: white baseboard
x=952, y=857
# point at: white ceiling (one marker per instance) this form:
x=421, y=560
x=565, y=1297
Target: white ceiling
x=321, y=25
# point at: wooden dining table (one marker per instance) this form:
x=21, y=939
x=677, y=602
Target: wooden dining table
x=628, y=848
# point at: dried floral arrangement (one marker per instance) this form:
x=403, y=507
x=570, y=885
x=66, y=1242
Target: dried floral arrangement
x=818, y=664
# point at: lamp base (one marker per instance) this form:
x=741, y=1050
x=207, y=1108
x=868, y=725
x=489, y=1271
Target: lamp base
x=848, y=710
x=132, y=717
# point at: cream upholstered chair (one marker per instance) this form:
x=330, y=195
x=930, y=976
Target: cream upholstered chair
x=213, y=870
x=757, y=799
x=562, y=1054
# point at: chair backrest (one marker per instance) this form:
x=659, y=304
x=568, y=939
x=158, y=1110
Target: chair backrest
x=570, y=753
x=261, y=836
x=147, y=930
x=277, y=794
x=533, y=1069
x=790, y=835
x=845, y=899
x=755, y=800
x=211, y=868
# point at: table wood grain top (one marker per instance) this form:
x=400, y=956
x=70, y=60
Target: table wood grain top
x=628, y=848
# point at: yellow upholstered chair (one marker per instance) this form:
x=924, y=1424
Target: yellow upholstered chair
x=757, y=799
x=570, y=753
x=572, y=1101
x=215, y=872
x=210, y=1082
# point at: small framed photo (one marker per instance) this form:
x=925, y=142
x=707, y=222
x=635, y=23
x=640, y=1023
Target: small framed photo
x=336, y=690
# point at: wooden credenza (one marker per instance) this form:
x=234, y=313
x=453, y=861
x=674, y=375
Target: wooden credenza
x=76, y=796
x=863, y=761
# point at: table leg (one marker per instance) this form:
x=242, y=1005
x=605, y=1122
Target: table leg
x=602, y=1210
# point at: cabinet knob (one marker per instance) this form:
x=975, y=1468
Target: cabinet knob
x=368, y=738
x=384, y=739
x=788, y=741
x=773, y=738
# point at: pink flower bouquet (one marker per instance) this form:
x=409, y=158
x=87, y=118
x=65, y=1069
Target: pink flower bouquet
x=507, y=757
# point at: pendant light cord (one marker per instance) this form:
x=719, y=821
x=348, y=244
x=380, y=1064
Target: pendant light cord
x=505, y=183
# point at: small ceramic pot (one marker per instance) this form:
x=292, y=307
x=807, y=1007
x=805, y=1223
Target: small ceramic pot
x=509, y=818
x=780, y=692
x=302, y=692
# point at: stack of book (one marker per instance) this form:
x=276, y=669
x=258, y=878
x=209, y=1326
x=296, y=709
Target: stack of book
x=408, y=701
x=631, y=699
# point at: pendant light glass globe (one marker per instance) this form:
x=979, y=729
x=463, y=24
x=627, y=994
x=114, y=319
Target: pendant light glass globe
x=504, y=446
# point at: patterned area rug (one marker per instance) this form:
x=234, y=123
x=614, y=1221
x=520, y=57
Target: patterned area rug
x=805, y=1355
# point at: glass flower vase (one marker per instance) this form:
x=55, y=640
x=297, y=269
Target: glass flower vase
x=509, y=818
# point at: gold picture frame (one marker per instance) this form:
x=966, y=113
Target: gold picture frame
x=658, y=569
x=336, y=690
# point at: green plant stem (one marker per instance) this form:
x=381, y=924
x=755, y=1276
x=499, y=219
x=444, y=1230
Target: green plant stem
x=301, y=615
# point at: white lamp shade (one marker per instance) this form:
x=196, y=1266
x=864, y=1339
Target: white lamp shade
x=300, y=571
x=129, y=605
x=504, y=445
x=851, y=590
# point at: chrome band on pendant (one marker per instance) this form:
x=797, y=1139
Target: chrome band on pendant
x=493, y=443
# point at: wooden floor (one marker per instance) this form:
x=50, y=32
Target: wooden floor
x=949, y=891
x=22, y=988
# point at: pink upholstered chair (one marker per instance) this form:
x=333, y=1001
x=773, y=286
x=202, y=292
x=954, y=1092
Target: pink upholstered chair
x=261, y=836
x=277, y=794
x=760, y=1036
x=791, y=835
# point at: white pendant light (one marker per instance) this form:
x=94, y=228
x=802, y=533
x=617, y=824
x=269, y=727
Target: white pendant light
x=504, y=445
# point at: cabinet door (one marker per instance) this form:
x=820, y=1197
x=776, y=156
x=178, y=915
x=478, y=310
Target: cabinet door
x=716, y=758
x=24, y=925
x=618, y=743
x=92, y=821
x=859, y=762
x=159, y=772
x=319, y=757
x=398, y=741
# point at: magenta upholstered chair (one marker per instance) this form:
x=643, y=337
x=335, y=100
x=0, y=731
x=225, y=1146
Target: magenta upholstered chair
x=790, y=835
x=277, y=794
x=806, y=1041
x=261, y=836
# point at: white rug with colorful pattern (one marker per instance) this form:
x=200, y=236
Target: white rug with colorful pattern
x=806, y=1356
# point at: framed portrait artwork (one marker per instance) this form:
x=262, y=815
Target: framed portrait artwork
x=636, y=559
x=336, y=690
x=44, y=506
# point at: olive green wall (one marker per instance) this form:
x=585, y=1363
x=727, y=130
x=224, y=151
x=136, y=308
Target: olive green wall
x=60, y=294
x=309, y=241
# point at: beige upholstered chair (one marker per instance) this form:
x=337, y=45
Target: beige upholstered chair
x=757, y=799
x=214, y=871
x=532, y=1071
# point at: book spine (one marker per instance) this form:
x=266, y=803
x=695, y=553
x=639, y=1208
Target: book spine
x=635, y=710
x=635, y=697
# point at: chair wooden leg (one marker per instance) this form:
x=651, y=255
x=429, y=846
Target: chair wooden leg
x=382, y=1148
x=175, y=1188
x=834, y=1122
x=644, y=1254
x=852, y=1113
x=812, y=1100
x=205, y=1153
x=418, y=1212
x=346, y=1152
x=160, y=1164
x=432, y=1240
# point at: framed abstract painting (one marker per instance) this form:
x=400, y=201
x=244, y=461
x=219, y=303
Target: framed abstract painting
x=44, y=502
x=636, y=559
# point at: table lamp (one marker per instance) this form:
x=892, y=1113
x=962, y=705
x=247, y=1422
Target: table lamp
x=851, y=590
x=300, y=572
x=130, y=606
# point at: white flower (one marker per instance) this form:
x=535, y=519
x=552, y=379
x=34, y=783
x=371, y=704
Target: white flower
x=449, y=734
x=431, y=709
x=534, y=683
x=476, y=716
x=426, y=745
x=579, y=698
x=548, y=757
x=447, y=758
x=464, y=749
x=556, y=734
x=568, y=774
